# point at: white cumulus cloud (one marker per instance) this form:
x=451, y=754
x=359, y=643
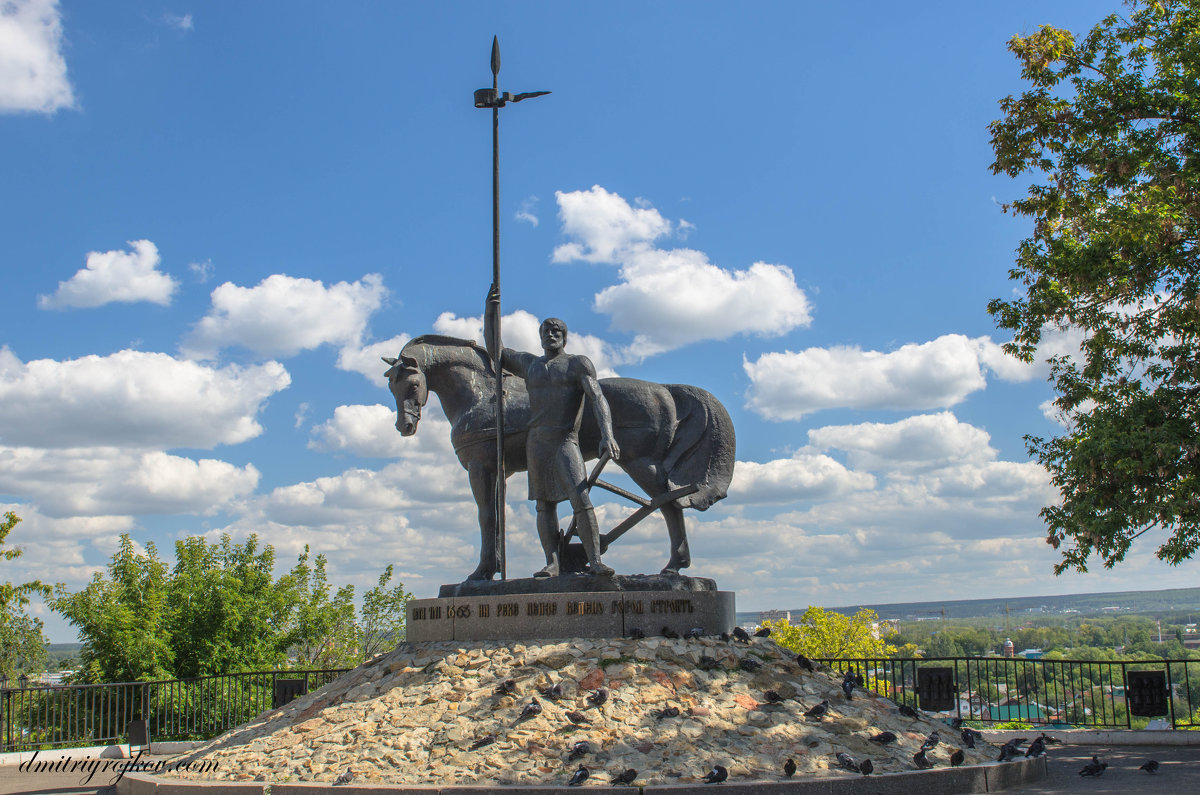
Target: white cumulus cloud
x=107, y=481
x=33, y=72
x=804, y=476
x=131, y=399
x=922, y=440
x=283, y=315
x=935, y=374
x=115, y=277
x=669, y=298
x=370, y=431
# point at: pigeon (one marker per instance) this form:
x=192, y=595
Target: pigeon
x=741, y=635
x=344, y=778
x=1009, y=751
x=772, y=697
x=908, y=712
x=716, y=775
x=708, y=663
x=507, y=687
x=866, y=767
x=667, y=632
x=805, y=663
x=532, y=709
x=579, y=749
x=1094, y=768
x=883, y=738
x=637, y=634
x=581, y=775
x=1036, y=748
x=578, y=718
x=482, y=741
x=749, y=664
x=695, y=633
x=599, y=697
x=931, y=741
x=553, y=692
x=848, y=688
x=625, y=778
x=669, y=712
x=789, y=768
x=1150, y=766
x=921, y=761
x=846, y=762
x=1048, y=740
x=969, y=736
x=956, y=723
x=763, y=632
x=725, y=636
x=818, y=711
x=957, y=758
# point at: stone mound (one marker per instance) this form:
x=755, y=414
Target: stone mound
x=412, y=717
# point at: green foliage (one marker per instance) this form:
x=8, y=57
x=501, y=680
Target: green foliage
x=322, y=631
x=1110, y=124
x=828, y=634
x=225, y=610
x=22, y=645
x=220, y=610
x=381, y=623
x=123, y=618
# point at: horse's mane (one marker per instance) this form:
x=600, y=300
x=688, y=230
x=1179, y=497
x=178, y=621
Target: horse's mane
x=446, y=341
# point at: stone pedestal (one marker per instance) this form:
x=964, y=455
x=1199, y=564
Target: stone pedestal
x=579, y=614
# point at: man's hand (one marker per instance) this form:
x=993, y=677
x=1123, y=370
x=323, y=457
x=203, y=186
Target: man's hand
x=609, y=445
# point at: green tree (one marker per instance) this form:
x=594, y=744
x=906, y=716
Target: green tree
x=1109, y=129
x=828, y=634
x=381, y=622
x=322, y=631
x=226, y=612
x=123, y=619
x=22, y=645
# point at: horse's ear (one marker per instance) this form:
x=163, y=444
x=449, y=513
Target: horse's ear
x=390, y=360
x=408, y=361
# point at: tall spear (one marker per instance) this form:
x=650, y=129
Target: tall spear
x=492, y=98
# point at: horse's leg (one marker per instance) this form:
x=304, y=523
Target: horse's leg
x=483, y=489
x=681, y=558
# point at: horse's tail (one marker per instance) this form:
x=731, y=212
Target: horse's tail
x=702, y=450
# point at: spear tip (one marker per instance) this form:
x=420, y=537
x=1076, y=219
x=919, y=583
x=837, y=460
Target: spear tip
x=495, y=55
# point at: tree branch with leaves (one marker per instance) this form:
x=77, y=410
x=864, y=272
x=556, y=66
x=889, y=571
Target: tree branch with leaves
x=1108, y=132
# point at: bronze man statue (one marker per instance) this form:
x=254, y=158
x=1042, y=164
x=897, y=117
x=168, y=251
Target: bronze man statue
x=557, y=382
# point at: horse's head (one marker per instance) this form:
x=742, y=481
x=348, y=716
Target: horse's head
x=408, y=386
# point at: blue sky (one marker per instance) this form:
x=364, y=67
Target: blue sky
x=217, y=216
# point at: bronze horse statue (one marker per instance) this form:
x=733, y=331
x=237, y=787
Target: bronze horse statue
x=674, y=439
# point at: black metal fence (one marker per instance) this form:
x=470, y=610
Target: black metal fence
x=1078, y=693
x=990, y=690
x=37, y=716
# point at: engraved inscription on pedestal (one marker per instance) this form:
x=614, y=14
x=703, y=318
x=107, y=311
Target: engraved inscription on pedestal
x=599, y=614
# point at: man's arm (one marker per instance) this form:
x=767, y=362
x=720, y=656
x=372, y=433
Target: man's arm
x=591, y=387
x=513, y=361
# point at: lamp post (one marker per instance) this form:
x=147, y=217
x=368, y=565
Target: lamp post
x=492, y=98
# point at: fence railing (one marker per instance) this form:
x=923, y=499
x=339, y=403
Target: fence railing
x=1079, y=693
x=35, y=716
x=990, y=690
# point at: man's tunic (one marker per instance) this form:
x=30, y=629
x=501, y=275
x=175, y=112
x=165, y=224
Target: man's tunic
x=555, y=463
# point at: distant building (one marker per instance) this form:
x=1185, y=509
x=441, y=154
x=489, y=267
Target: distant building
x=1032, y=654
x=775, y=615
x=1008, y=649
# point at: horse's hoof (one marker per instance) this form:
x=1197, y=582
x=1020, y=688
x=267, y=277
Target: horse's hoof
x=670, y=572
x=482, y=574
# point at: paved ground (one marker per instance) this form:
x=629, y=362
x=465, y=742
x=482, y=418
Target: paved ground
x=13, y=780
x=1179, y=773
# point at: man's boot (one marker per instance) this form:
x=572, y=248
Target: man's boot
x=589, y=534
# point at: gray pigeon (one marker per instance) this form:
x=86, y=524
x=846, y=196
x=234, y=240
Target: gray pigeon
x=1094, y=768
x=344, y=778
x=1150, y=766
x=581, y=775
